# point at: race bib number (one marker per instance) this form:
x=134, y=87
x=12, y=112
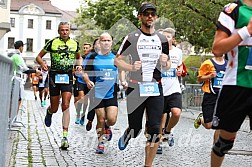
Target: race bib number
x=171, y=73
x=217, y=82
x=62, y=79
x=108, y=74
x=148, y=89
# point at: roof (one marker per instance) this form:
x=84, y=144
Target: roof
x=46, y=5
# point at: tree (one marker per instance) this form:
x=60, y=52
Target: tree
x=194, y=20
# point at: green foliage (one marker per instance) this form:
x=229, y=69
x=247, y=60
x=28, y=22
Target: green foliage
x=194, y=20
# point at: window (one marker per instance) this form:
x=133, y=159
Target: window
x=48, y=24
x=46, y=40
x=12, y=22
x=29, y=45
x=30, y=23
x=11, y=41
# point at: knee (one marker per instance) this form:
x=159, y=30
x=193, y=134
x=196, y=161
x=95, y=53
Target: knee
x=101, y=120
x=222, y=146
x=154, y=133
x=176, y=113
x=65, y=106
x=208, y=125
x=112, y=121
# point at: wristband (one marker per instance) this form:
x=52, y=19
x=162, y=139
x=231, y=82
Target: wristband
x=243, y=32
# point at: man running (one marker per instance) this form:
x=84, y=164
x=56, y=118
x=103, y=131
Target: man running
x=101, y=66
x=149, y=54
x=81, y=90
x=233, y=36
x=63, y=53
x=171, y=90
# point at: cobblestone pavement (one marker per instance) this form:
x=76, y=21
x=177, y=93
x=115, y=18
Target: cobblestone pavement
x=192, y=147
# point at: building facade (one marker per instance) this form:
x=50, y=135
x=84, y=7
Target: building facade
x=34, y=22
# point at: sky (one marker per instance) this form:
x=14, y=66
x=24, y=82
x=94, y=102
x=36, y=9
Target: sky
x=69, y=5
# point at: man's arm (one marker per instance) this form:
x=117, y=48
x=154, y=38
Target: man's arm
x=122, y=65
x=40, y=60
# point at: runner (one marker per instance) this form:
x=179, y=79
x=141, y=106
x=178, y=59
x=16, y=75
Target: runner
x=171, y=90
x=149, y=54
x=35, y=82
x=233, y=36
x=211, y=73
x=91, y=112
x=101, y=65
x=43, y=86
x=63, y=53
x=81, y=90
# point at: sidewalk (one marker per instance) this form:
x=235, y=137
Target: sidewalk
x=42, y=148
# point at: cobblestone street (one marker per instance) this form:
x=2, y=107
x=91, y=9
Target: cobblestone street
x=192, y=147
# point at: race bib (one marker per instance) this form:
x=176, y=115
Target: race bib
x=62, y=79
x=217, y=82
x=171, y=73
x=149, y=89
x=108, y=74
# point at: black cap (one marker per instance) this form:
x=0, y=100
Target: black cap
x=18, y=44
x=146, y=6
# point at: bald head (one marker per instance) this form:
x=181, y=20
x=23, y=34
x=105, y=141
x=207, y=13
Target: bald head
x=105, y=42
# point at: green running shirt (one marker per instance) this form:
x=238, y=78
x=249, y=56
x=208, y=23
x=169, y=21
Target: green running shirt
x=239, y=69
x=62, y=54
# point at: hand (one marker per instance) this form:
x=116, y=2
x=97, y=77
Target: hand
x=124, y=84
x=179, y=72
x=163, y=59
x=78, y=68
x=212, y=74
x=249, y=26
x=44, y=67
x=90, y=84
x=136, y=66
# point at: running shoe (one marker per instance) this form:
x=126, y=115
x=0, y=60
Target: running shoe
x=82, y=120
x=108, y=133
x=197, y=121
x=36, y=98
x=48, y=118
x=64, y=143
x=170, y=140
x=121, y=143
x=89, y=126
x=77, y=121
x=100, y=148
x=159, y=150
x=42, y=104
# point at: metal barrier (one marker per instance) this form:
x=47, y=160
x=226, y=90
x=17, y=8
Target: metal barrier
x=192, y=97
x=15, y=91
x=5, y=96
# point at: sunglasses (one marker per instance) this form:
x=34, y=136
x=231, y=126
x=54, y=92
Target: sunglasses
x=149, y=13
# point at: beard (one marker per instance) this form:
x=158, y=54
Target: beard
x=146, y=25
